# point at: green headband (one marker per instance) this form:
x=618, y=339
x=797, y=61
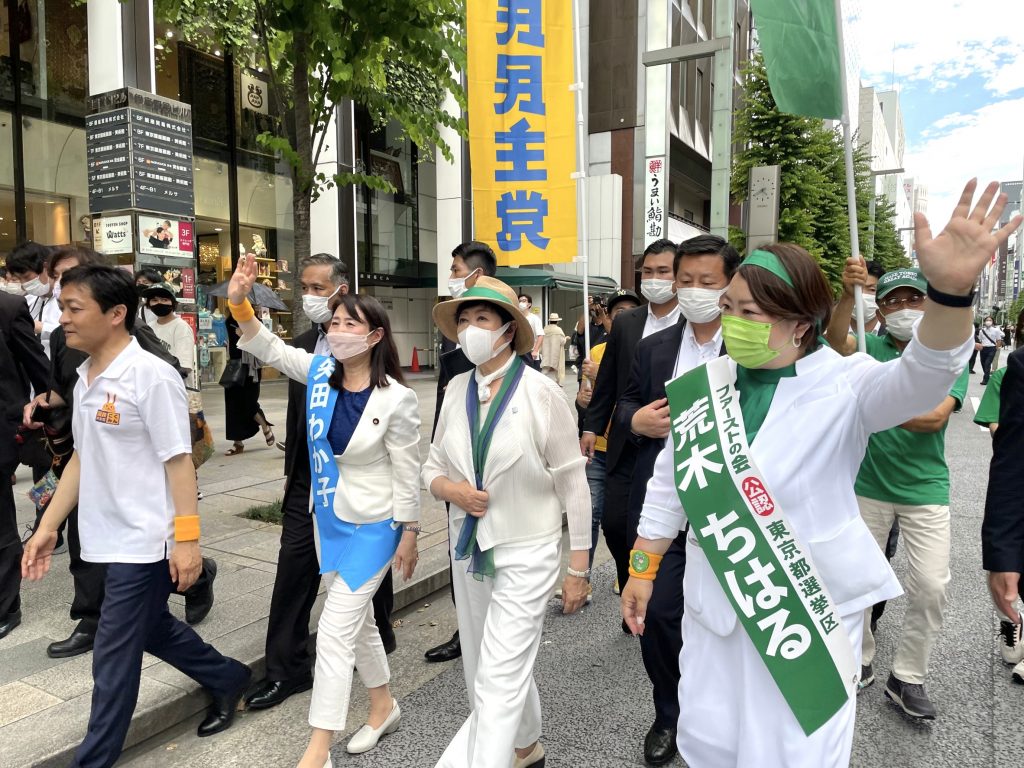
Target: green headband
x=768, y=260
x=488, y=294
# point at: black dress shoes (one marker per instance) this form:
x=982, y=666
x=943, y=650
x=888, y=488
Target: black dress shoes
x=78, y=643
x=9, y=622
x=446, y=651
x=198, y=604
x=221, y=712
x=270, y=693
x=660, y=745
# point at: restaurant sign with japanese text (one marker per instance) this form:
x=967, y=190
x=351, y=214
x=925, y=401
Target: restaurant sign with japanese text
x=766, y=572
x=522, y=130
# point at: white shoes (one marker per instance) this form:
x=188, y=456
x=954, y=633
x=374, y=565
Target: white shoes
x=328, y=764
x=366, y=738
x=533, y=760
x=1012, y=646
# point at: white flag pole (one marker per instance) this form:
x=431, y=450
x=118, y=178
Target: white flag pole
x=851, y=184
x=581, y=177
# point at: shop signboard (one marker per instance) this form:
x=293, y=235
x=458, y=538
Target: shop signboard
x=164, y=236
x=139, y=149
x=188, y=284
x=113, y=235
x=254, y=93
x=654, y=200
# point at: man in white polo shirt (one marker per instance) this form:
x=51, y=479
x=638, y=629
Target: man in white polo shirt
x=132, y=477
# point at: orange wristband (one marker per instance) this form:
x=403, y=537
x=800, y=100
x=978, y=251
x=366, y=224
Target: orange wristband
x=186, y=528
x=643, y=565
x=242, y=312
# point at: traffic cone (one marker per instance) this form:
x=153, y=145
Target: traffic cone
x=415, y=367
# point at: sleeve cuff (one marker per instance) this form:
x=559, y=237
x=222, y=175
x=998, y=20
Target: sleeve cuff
x=659, y=523
x=952, y=360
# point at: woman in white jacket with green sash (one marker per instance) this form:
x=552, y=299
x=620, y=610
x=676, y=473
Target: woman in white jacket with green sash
x=761, y=462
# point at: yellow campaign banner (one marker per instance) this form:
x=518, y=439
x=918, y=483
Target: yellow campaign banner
x=522, y=128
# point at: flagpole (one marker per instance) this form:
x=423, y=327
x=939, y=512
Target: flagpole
x=581, y=176
x=851, y=184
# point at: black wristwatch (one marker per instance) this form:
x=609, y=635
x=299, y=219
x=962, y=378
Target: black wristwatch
x=949, y=299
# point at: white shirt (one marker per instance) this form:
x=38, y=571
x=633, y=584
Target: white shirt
x=177, y=339
x=535, y=324
x=46, y=310
x=322, y=347
x=990, y=335
x=127, y=423
x=692, y=353
x=653, y=324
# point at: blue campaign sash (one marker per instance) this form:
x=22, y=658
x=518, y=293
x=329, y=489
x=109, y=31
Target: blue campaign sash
x=355, y=551
x=481, y=562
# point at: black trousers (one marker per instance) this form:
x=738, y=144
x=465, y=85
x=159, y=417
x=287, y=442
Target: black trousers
x=134, y=619
x=295, y=588
x=988, y=356
x=662, y=640
x=615, y=517
x=10, y=546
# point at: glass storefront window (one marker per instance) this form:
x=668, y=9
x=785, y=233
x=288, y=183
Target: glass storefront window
x=7, y=213
x=54, y=55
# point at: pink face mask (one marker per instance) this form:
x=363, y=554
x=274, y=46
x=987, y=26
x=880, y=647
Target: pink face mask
x=347, y=345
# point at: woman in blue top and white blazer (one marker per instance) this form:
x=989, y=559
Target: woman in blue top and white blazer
x=363, y=432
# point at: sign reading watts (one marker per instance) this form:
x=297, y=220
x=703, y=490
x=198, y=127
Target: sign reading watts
x=522, y=129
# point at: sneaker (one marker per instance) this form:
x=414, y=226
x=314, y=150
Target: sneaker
x=1018, y=673
x=867, y=677
x=590, y=594
x=1011, y=646
x=911, y=697
x=616, y=588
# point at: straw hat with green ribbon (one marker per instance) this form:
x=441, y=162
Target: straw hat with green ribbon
x=492, y=291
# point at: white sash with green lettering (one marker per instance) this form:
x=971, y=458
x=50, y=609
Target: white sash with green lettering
x=766, y=572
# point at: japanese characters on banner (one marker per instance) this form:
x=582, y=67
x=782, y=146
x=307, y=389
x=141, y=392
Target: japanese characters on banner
x=654, y=200
x=162, y=236
x=522, y=129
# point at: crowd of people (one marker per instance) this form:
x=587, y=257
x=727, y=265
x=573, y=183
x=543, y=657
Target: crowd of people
x=752, y=566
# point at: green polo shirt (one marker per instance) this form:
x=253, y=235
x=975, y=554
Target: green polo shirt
x=988, y=408
x=902, y=467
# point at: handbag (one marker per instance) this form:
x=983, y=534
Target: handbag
x=235, y=374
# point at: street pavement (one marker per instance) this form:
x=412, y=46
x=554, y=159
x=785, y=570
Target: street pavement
x=595, y=694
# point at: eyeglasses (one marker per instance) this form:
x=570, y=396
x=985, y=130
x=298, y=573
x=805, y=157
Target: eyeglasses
x=913, y=302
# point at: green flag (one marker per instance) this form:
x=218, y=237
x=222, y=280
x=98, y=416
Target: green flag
x=801, y=41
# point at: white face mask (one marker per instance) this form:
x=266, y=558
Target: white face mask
x=457, y=285
x=316, y=308
x=870, y=304
x=14, y=288
x=657, y=291
x=700, y=305
x=478, y=343
x=35, y=287
x=524, y=306
x=901, y=324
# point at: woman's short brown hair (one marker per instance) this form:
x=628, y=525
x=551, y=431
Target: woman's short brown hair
x=808, y=301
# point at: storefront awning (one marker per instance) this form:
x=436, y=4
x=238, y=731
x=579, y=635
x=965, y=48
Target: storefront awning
x=518, y=277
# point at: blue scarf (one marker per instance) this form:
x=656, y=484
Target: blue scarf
x=356, y=552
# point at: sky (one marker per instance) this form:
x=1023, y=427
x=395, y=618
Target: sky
x=959, y=68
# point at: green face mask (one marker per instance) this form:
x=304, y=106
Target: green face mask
x=746, y=341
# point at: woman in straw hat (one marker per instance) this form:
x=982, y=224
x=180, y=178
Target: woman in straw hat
x=505, y=457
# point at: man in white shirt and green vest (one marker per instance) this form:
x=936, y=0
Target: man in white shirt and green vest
x=904, y=478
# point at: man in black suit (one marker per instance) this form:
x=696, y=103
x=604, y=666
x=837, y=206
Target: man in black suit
x=1002, y=530
x=22, y=363
x=469, y=261
x=704, y=265
x=658, y=287
x=322, y=276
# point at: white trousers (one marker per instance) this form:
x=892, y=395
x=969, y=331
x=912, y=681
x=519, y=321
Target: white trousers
x=925, y=531
x=500, y=624
x=347, y=637
x=731, y=712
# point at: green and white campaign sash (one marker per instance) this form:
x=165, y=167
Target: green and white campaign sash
x=767, y=574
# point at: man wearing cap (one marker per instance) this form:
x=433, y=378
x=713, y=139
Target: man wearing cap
x=703, y=267
x=904, y=478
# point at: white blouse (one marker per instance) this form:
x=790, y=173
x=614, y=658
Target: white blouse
x=380, y=468
x=534, y=467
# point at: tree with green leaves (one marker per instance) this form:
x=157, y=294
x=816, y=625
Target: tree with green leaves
x=812, y=192
x=398, y=58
